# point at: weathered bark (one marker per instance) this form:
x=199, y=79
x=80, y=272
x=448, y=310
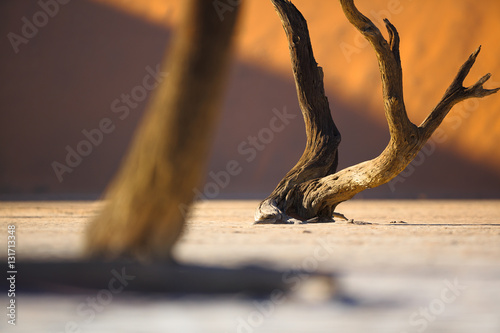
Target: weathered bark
x=305, y=196
x=144, y=214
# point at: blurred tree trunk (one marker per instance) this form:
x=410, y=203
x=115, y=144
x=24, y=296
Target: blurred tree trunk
x=143, y=214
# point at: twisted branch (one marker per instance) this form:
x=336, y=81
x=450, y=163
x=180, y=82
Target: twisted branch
x=316, y=197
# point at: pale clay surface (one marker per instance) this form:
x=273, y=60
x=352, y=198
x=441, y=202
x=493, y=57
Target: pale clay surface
x=393, y=270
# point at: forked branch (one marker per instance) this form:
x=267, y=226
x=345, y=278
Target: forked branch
x=456, y=93
x=313, y=197
x=390, y=69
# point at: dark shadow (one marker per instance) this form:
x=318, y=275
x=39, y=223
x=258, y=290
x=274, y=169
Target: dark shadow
x=254, y=93
x=77, y=277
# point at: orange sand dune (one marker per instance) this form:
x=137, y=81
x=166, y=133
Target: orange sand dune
x=437, y=38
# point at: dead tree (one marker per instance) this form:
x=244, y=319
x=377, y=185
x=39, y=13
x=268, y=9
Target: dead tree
x=313, y=188
x=142, y=216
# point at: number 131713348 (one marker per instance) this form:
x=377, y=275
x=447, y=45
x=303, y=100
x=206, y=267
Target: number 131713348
x=11, y=273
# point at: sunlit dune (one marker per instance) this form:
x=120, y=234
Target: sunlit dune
x=437, y=38
x=156, y=11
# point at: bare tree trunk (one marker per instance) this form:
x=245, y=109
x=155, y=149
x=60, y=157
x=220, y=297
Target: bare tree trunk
x=142, y=217
x=311, y=191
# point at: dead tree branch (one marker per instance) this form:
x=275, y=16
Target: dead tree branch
x=320, y=156
x=455, y=94
x=314, y=197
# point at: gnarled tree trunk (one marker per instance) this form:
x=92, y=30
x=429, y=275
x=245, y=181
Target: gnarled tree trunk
x=143, y=215
x=311, y=191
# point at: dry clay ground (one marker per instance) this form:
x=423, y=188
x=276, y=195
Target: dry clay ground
x=437, y=272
